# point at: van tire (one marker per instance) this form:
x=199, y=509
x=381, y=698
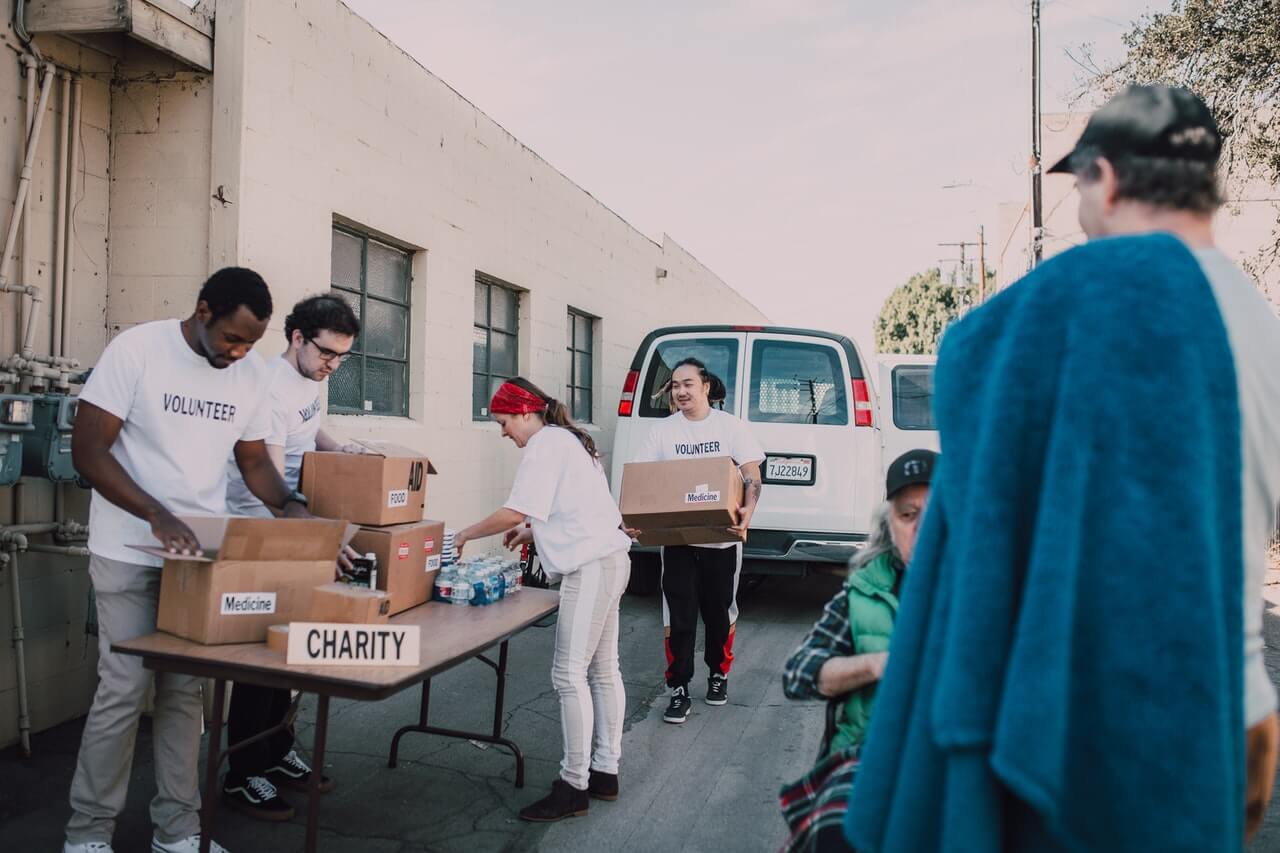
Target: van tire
x=646, y=575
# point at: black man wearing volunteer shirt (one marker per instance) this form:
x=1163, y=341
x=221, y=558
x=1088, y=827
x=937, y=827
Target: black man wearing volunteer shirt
x=165, y=406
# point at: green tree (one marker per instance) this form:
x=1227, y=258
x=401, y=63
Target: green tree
x=915, y=314
x=1228, y=52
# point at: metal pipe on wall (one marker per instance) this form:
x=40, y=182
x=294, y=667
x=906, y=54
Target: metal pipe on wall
x=10, y=555
x=68, y=262
x=24, y=180
x=31, y=66
x=60, y=220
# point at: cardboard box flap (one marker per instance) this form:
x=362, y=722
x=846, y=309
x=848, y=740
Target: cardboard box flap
x=391, y=450
x=226, y=537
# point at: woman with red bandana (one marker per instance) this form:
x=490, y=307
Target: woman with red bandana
x=561, y=502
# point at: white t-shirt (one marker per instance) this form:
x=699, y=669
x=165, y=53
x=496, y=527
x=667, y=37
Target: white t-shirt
x=297, y=412
x=565, y=495
x=718, y=434
x=1254, y=333
x=182, y=417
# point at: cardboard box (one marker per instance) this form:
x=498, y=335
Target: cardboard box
x=387, y=485
x=682, y=501
x=252, y=573
x=408, y=559
x=352, y=605
x=278, y=638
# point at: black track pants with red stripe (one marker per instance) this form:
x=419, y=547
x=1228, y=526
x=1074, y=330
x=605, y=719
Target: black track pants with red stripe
x=699, y=581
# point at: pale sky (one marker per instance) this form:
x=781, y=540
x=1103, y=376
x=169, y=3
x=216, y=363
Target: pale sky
x=798, y=148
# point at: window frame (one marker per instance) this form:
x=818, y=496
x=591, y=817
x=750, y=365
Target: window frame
x=893, y=395
x=733, y=343
x=363, y=297
x=490, y=282
x=574, y=386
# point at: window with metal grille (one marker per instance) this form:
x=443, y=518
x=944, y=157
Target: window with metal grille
x=720, y=355
x=494, y=342
x=793, y=382
x=374, y=277
x=580, y=332
x=913, y=397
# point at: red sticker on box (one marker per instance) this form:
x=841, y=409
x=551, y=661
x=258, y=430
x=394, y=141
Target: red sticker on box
x=403, y=553
x=428, y=545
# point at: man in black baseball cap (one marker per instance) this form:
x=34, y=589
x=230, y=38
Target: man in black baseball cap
x=1148, y=161
x=911, y=468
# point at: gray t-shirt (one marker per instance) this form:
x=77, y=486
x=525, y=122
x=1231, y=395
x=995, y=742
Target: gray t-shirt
x=1254, y=332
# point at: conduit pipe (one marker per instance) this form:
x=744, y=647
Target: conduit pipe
x=60, y=222
x=68, y=262
x=9, y=559
x=24, y=178
x=31, y=67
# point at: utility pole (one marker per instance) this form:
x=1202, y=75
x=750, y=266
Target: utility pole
x=1037, y=216
x=982, y=265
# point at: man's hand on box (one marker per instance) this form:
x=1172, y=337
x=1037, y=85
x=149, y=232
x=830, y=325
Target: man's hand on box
x=744, y=521
x=352, y=447
x=517, y=537
x=345, y=556
x=175, y=537
x=634, y=533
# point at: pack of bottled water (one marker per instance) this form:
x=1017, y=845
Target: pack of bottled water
x=479, y=581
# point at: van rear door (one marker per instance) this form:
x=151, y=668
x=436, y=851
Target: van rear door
x=800, y=402
x=906, y=405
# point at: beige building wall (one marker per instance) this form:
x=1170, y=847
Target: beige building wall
x=313, y=117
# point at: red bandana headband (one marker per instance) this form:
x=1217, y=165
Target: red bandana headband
x=511, y=399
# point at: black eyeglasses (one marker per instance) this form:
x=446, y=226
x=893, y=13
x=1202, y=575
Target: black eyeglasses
x=327, y=355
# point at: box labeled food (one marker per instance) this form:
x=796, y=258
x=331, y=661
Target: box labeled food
x=387, y=485
x=342, y=602
x=682, y=501
x=408, y=559
x=251, y=573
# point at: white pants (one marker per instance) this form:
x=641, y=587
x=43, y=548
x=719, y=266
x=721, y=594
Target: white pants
x=585, y=669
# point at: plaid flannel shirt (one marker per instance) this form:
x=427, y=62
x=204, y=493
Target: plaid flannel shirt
x=829, y=638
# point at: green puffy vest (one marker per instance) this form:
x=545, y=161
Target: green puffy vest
x=872, y=610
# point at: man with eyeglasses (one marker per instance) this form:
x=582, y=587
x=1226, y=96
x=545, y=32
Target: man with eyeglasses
x=321, y=331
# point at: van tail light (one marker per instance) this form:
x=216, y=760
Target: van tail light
x=628, y=401
x=862, y=403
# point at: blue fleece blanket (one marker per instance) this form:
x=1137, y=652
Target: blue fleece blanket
x=1065, y=671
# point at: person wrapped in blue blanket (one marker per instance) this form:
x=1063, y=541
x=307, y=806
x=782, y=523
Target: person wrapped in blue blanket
x=1067, y=669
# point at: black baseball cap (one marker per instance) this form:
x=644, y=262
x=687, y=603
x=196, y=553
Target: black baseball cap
x=914, y=466
x=1150, y=121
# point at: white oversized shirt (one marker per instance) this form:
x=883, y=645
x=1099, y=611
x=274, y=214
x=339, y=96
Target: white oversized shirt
x=564, y=494
x=1254, y=333
x=718, y=434
x=297, y=413
x=182, y=418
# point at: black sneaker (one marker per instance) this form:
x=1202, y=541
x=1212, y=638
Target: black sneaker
x=292, y=772
x=678, y=710
x=257, y=798
x=717, y=690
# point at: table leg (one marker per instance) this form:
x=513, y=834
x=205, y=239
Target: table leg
x=494, y=737
x=317, y=772
x=212, y=761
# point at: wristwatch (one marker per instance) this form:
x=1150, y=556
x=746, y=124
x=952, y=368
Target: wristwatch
x=295, y=497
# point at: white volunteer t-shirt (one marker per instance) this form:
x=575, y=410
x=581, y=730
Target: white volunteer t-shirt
x=182, y=417
x=718, y=434
x=565, y=495
x=297, y=413
x=1254, y=333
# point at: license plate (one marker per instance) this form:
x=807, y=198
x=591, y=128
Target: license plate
x=788, y=469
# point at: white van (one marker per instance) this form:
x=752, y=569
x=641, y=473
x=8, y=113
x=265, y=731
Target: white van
x=905, y=403
x=809, y=400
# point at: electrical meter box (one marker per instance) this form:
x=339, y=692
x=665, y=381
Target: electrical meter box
x=16, y=412
x=46, y=452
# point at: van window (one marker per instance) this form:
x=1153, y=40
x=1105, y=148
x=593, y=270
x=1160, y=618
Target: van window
x=793, y=382
x=913, y=397
x=720, y=355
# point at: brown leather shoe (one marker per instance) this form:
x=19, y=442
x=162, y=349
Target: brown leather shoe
x=603, y=786
x=563, y=801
